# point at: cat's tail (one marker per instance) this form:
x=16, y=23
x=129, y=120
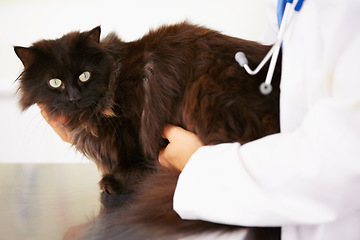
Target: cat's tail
x=149, y=214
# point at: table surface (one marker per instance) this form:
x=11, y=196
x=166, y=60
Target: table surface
x=44, y=201
x=53, y=201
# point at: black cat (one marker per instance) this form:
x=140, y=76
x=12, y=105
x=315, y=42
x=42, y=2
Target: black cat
x=118, y=96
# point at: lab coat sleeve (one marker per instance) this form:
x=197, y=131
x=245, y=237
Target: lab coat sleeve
x=307, y=177
x=310, y=175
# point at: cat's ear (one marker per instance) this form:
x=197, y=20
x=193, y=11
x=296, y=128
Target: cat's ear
x=26, y=55
x=94, y=35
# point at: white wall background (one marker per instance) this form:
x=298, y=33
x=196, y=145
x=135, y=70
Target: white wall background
x=25, y=137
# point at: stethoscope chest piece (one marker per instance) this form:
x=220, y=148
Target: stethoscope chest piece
x=265, y=88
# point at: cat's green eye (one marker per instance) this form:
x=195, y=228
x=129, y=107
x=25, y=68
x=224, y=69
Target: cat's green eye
x=55, y=83
x=85, y=76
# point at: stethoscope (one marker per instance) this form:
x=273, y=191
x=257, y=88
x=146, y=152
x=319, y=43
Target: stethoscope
x=288, y=13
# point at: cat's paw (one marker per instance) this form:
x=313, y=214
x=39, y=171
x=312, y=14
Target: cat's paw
x=110, y=185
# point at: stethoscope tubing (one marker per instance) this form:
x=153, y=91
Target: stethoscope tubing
x=240, y=57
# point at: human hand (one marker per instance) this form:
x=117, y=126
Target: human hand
x=57, y=124
x=182, y=145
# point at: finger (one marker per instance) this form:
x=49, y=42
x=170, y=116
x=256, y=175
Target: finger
x=57, y=123
x=59, y=129
x=61, y=120
x=41, y=105
x=65, y=137
x=162, y=158
x=43, y=112
x=166, y=130
x=171, y=131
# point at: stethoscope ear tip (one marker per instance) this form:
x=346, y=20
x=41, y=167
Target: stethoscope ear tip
x=265, y=88
x=241, y=59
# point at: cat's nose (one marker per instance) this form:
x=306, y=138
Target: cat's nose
x=74, y=95
x=75, y=99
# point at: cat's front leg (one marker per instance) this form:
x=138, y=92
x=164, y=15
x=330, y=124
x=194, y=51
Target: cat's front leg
x=105, y=157
x=110, y=185
x=123, y=181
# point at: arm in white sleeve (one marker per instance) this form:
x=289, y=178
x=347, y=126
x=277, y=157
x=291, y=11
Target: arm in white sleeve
x=310, y=175
x=306, y=177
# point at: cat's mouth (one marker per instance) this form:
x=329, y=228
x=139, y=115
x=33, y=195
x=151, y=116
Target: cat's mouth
x=73, y=116
x=54, y=115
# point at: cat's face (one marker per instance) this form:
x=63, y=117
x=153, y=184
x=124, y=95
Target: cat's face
x=68, y=75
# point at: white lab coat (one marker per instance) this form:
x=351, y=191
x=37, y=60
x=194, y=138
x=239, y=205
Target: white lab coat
x=306, y=178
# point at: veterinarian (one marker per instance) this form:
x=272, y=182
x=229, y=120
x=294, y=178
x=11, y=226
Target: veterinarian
x=306, y=178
